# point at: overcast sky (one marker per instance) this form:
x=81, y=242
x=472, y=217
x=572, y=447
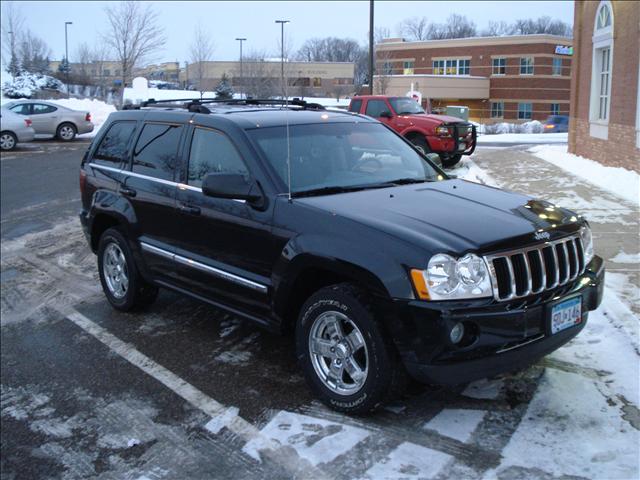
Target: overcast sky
x=255, y=20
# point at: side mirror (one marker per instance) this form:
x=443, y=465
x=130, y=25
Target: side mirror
x=385, y=114
x=232, y=185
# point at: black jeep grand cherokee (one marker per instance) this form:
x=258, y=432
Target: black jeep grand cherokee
x=380, y=263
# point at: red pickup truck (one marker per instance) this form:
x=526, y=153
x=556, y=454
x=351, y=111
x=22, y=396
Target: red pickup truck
x=449, y=137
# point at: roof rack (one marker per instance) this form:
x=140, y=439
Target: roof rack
x=198, y=105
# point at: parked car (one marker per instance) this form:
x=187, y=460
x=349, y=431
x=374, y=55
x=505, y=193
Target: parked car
x=449, y=137
x=14, y=128
x=51, y=119
x=333, y=227
x=556, y=124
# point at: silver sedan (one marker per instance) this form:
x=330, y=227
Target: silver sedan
x=51, y=119
x=14, y=128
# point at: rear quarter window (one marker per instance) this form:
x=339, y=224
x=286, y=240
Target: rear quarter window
x=113, y=148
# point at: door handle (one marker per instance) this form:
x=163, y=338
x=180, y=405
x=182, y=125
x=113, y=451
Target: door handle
x=128, y=192
x=190, y=209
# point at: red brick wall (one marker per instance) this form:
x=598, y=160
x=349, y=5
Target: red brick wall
x=619, y=149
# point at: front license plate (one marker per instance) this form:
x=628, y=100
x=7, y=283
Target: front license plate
x=566, y=314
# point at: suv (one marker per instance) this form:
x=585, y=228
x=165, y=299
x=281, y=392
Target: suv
x=449, y=137
x=331, y=226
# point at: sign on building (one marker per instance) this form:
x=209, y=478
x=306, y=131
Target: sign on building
x=564, y=50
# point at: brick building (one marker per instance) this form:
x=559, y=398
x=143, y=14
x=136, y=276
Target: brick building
x=605, y=120
x=513, y=78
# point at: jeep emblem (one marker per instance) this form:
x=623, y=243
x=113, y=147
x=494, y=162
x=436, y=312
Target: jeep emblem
x=542, y=236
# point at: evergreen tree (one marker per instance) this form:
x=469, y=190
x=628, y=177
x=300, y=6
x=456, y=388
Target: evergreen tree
x=224, y=90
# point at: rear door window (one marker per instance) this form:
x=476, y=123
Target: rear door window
x=39, y=108
x=156, y=151
x=113, y=148
x=212, y=152
x=355, y=106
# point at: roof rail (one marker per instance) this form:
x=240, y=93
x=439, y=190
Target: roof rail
x=197, y=105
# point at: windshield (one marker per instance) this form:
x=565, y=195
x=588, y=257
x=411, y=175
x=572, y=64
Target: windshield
x=341, y=156
x=405, y=105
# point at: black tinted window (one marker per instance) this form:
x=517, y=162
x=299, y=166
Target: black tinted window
x=113, y=147
x=39, y=108
x=212, y=152
x=376, y=107
x=155, y=153
x=355, y=106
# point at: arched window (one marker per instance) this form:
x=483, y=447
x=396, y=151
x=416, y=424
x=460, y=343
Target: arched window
x=600, y=104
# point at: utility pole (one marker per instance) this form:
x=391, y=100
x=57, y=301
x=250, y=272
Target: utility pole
x=282, y=22
x=241, y=77
x=66, y=54
x=371, y=69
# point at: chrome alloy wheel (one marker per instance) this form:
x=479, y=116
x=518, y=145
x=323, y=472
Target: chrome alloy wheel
x=338, y=353
x=66, y=132
x=7, y=141
x=114, y=269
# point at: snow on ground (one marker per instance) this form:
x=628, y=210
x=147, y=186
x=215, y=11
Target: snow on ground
x=466, y=169
x=619, y=181
x=523, y=138
x=623, y=257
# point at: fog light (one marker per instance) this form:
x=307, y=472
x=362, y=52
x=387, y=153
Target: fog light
x=457, y=332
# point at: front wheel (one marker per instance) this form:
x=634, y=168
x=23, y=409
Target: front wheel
x=348, y=362
x=448, y=162
x=121, y=282
x=8, y=141
x=66, y=132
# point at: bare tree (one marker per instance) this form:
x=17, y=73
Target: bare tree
x=459, y=26
x=200, y=51
x=34, y=53
x=414, y=28
x=12, y=29
x=383, y=72
x=133, y=34
x=497, y=29
x=259, y=76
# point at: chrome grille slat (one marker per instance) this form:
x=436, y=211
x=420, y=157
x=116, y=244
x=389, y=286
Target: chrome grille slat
x=560, y=262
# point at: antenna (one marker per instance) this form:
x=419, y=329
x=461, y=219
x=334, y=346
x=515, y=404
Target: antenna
x=286, y=116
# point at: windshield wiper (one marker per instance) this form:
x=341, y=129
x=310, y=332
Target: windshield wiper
x=338, y=189
x=407, y=181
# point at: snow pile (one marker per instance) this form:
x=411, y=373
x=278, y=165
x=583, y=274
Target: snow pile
x=25, y=85
x=99, y=110
x=524, y=138
x=533, y=126
x=619, y=181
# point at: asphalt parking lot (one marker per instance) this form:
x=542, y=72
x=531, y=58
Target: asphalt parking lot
x=184, y=390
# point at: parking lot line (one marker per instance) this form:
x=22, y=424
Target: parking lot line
x=287, y=458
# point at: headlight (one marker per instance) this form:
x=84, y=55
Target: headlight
x=448, y=278
x=587, y=244
x=443, y=131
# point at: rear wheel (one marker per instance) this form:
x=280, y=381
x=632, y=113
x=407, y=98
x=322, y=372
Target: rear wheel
x=121, y=282
x=66, y=132
x=448, y=162
x=8, y=141
x=347, y=360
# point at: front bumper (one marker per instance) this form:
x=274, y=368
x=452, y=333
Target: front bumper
x=501, y=336
x=461, y=142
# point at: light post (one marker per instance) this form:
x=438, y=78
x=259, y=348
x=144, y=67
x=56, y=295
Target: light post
x=371, y=59
x=241, y=77
x=66, y=54
x=282, y=22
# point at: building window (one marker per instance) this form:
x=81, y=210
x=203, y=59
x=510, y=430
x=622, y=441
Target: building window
x=497, y=109
x=452, y=66
x=107, y=72
x=317, y=82
x=499, y=66
x=438, y=67
x=524, y=111
x=555, y=109
x=526, y=66
x=387, y=68
x=407, y=68
x=556, y=67
x=600, y=102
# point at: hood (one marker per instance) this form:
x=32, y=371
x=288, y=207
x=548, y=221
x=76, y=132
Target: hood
x=431, y=118
x=453, y=216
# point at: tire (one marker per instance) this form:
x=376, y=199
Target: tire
x=379, y=376
x=8, y=141
x=421, y=144
x=66, y=132
x=448, y=162
x=121, y=281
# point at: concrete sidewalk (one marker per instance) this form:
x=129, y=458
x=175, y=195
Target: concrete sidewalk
x=614, y=221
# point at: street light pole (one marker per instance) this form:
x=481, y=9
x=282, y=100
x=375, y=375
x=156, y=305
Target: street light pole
x=241, y=77
x=282, y=22
x=371, y=59
x=66, y=54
